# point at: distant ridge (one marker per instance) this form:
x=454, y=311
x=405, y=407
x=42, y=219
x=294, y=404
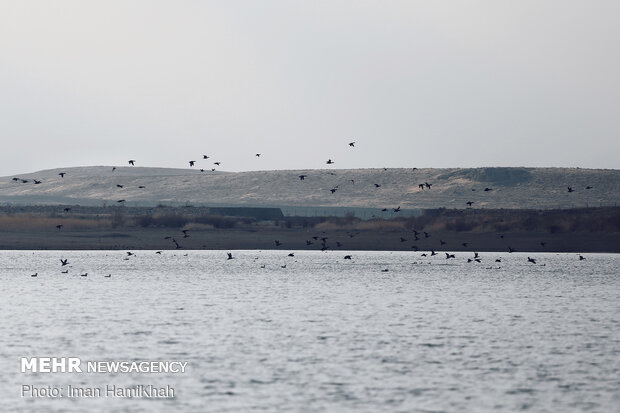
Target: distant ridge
x=525, y=188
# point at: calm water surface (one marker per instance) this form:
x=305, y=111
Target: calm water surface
x=322, y=334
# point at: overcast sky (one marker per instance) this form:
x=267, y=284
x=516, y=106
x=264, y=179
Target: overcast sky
x=414, y=83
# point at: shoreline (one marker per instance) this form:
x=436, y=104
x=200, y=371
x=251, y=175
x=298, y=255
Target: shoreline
x=298, y=239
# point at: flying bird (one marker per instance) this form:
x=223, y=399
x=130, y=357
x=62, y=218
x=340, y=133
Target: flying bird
x=64, y=262
x=532, y=260
x=302, y=177
x=205, y=157
x=217, y=163
x=278, y=243
x=352, y=144
x=329, y=162
x=62, y=174
x=132, y=162
x=469, y=203
x=570, y=189
x=448, y=256
x=191, y=163
x=377, y=186
x=258, y=155
x=347, y=257
x=230, y=256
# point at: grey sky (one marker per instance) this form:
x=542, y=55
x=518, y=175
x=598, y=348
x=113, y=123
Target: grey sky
x=414, y=83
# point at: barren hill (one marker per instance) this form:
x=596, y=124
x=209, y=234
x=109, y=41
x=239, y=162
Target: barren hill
x=536, y=188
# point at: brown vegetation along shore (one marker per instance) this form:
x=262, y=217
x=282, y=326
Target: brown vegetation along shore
x=576, y=230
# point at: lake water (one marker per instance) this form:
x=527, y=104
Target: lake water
x=322, y=334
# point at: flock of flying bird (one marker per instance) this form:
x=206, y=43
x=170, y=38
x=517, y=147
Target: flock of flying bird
x=323, y=239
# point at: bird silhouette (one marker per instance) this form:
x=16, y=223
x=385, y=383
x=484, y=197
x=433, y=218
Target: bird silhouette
x=333, y=190
x=230, y=256
x=433, y=253
x=278, y=243
x=59, y=226
x=347, y=257
x=191, y=163
x=532, y=260
x=84, y=275
x=132, y=162
x=64, y=272
x=258, y=155
x=217, y=163
x=427, y=185
x=588, y=187
x=377, y=186
x=488, y=189
x=67, y=209
x=352, y=144
x=120, y=201
x=397, y=209
x=329, y=162
x=570, y=189
x=448, y=256
x=62, y=174
x=581, y=257
x=36, y=182
x=108, y=276
x=119, y=186
x=205, y=157
x=291, y=254
x=302, y=177
x=469, y=203
x=34, y=275
x=64, y=262
x=421, y=186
